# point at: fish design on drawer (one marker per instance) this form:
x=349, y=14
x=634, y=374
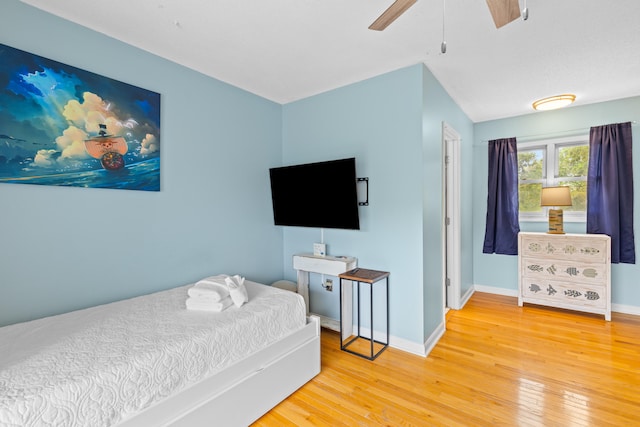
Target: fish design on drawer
x=591, y=295
x=535, y=267
x=572, y=293
x=590, y=272
x=534, y=288
x=572, y=271
x=590, y=251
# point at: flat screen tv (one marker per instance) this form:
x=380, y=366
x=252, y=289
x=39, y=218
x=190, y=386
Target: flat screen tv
x=321, y=194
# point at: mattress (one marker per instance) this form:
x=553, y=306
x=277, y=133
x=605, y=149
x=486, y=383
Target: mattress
x=101, y=365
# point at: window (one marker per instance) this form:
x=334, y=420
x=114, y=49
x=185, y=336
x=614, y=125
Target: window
x=552, y=163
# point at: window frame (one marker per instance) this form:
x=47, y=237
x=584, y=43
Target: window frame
x=550, y=149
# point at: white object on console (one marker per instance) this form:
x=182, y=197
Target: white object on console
x=319, y=249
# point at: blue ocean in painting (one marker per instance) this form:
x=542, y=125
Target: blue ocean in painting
x=61, y=125
x=138, y=176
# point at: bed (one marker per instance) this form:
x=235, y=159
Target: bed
x=149, y=361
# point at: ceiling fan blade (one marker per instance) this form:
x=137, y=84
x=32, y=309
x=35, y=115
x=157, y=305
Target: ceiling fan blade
x=504, y=11
x=391, y=14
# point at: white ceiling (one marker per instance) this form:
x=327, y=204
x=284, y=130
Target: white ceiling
x=285, y=50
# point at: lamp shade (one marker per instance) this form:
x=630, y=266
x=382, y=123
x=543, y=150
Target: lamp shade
x=555, y=196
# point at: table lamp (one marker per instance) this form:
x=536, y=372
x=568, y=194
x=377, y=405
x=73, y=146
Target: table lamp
x=555, y=196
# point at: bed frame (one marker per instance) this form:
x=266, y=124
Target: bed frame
x=242, y=393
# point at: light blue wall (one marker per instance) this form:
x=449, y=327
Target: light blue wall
x=501, y=270
x=392, y=125
x=439, y=108
x=66, y=248
x=378, y=122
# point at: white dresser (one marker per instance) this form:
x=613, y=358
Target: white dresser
x=571, y=271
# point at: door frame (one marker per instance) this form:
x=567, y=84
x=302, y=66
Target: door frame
x=451, y=214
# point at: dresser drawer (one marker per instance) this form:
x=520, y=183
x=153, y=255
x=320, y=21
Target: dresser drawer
x=593, y=249
x=563, y=294
x=565, y=270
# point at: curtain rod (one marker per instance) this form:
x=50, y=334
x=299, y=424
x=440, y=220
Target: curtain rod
x=559, y=134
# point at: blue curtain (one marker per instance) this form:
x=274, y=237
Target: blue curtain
x=610, y=189
x=502, y=226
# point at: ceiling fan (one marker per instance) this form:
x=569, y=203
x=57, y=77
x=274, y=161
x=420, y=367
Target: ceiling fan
x=502, y=11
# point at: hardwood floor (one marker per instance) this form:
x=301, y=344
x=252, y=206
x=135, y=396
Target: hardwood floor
x=497, y=365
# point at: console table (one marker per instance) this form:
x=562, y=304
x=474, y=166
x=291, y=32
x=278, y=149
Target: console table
x=329, y=265
x=571, y=271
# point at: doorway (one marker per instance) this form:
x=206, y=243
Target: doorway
x=451, y=207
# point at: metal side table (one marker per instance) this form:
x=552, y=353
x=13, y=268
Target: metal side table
x=353, y=341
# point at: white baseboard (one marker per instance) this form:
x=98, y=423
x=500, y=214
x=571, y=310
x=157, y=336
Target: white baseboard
x=626, y=309
x=495, y=290
x=433, y=339
x=408, y=346
x=328, y=322
x=395, y=342
x=618, y=308
x=465, y=298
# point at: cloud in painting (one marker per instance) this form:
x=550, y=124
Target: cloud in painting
x=71, y=144
x=45, y=158
x=149, y=145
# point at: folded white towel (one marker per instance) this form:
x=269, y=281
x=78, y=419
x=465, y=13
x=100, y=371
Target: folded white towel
x=212, y=287
x=237, y=290
x=199, y=304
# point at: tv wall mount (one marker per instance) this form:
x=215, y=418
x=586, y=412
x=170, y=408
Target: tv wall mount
x=366, y=185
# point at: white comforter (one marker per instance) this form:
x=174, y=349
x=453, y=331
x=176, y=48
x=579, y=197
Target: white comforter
x=99, y=366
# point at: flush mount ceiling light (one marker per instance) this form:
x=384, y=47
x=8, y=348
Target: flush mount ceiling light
x=553, y=102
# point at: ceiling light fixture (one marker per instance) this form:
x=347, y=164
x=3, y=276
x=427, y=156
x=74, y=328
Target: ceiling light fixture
x=553, y=102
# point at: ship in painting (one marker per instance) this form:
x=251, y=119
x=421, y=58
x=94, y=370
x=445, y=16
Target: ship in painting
x=109, y=149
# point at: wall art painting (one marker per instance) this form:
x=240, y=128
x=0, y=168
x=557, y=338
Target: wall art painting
x=61, y=125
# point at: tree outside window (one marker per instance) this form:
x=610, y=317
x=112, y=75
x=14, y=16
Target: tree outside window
x=573, y=163
x=552, y=163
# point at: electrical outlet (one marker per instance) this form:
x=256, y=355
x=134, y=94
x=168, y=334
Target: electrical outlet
x=328, y=285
